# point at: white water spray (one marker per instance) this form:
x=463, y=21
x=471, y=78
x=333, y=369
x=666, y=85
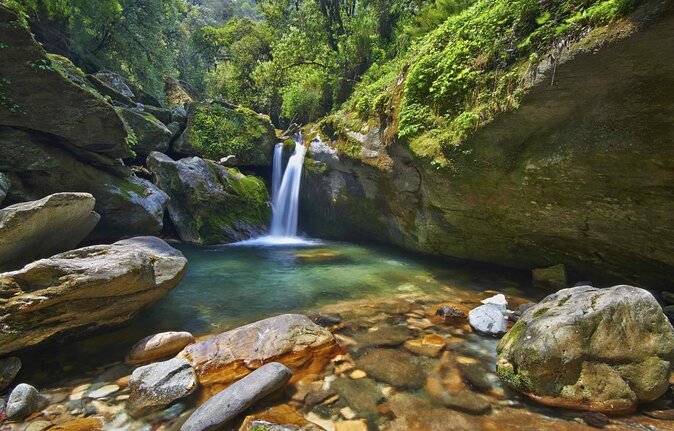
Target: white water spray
x=277, y=173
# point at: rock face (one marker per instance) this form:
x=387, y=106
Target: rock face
x=4, y=186
x=85, y=289
x=211, y=204
x=151, y=134
x=77, y=114
x=24, y=401
x=579, y=167
x=487, y=319
x=590, y=349
x=9, y=367
x=226, y=405
x=292, y=339
x=128, y=205
x=32, y=230
x=158, y=346
x=157, y=385
x=216, y=131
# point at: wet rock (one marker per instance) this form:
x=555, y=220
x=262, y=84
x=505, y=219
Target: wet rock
x=361, y=395
x=157, y=385
x=414, y=413
x=85, y=289
x=84, y=424
x=514, y=316
x=158, y=346
x=38, y=426
x=553, y=277
x=595, y=419
x=568, y=351
x=291, y=339
x=466, y=401
x=227, y=404
x=351, y=425
x=278, y=418
x=383, y=336
x=429, y=345
x=324, y=319
x=448, y=313
x=488, y=320
x=476, y=376
x=397, y=368
x=497, y=300
x=228, y=161
x=9, y=367
x=23, y=401
x=103, y=392
x=41, y=228
x=151, y=134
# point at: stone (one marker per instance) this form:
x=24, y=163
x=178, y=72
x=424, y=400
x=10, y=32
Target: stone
x=361, y=395
x=128, y=205
x=211, y=204
x=347, y=413
x=151, y=134
x=291, y=339
x=56, y=223
x=553, y=277
x=115, y=82
x=107, y=89
x=324, y=319
x=397, y=368
x=497, y=300
x=227, y=404
x=464, y=401
x=158, y=346
x=358, y=374
x=5, y=184
x=595, y=419
x=83, y=424
x=449, y=313
x=178, y=93
x=228, y=161
x=161, y=114
x=487, y=320
x=567, y=351
x=278, y=418
x=351, y=425
x=103, y=392
x=429, y=345
x=383, y=336
x=157, y=385
x=215, y=130
x=179, y=115
x=85, y=289
x=23, y=401
x=476, y=375
x=9, y=367
x=54, y=104
x=39, y=425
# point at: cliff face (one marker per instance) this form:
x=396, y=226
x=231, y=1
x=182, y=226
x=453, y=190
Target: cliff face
x=582, y=173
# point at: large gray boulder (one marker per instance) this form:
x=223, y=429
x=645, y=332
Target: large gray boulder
x=41, y=228
x=211, y=204
x=128, y=205
x=24, y=401
x=85, y=289
x=151, y=134
x=590, y=349
x=157, y=385
x=227, y=404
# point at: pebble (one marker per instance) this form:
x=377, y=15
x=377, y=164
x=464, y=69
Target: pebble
x=347, y=413
x=497, y=300
x=595, y=419
x=103, y=391
x=358, y=374
x=353, y=425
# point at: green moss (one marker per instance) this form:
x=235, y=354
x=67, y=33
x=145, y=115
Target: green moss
x=563, y=300
x=541, y=311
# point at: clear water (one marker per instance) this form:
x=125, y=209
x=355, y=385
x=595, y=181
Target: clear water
x=227, y=286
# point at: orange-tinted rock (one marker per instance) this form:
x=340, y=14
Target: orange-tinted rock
x=86, y=424
x=291, y=339
x=429, y=345
x=352, y=425
x=278, y=415
x=158, y=346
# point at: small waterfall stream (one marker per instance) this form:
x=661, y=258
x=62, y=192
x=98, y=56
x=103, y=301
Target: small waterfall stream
x=277, y=173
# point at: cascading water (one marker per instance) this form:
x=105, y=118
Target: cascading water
x=285, y=194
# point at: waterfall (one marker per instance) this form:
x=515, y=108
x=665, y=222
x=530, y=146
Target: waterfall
x=286, y=203
x=277, y=173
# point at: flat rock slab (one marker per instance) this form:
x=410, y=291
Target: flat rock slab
x=229, y=403
x=42, y=228
x=85, y=289
x=291, y=339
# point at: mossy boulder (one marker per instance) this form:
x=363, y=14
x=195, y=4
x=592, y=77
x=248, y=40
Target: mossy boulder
x=128, y=205
x=215, y=131
x=590, y=349
x=211, y=204
x=36, y=93
x=151, y=134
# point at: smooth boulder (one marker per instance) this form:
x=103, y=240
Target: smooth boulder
x=158, y=346
x=23, y=401
x=488, y=319
x=585, y=348
x=292, y=339
x=85, y=289
x=157, y=385
x=31, y=230
x=211, y=204
x=9, y=367
x=227, y=404
x=151, y=134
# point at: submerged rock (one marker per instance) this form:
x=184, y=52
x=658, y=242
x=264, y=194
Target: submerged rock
x=158, y=346
x=157, y=385
x=278, y=418
x=593, y=349
x=41, y=228
x=395, y=367
x=227, y=404
x=23, y=401
x=291, y=339
x=9, y=367
x=361, y=395
x=429, y=345
x=211, y=204
x=85, y=289
x=488, y=320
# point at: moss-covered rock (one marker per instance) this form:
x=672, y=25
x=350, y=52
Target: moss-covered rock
x=151, y=134
x=590, y=349
x=215, y=131
x=211, y=204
